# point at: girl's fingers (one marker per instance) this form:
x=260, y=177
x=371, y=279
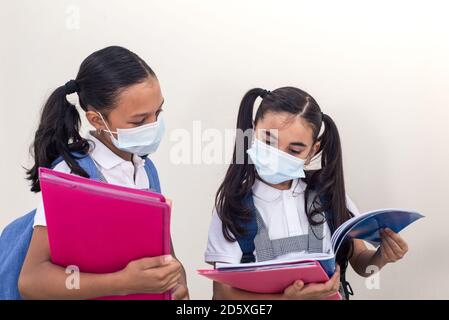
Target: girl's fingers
x=299, y=285
x=336, y=286
x=172, y=283
x=397, y=250
x=386, y=251
x=397, y=238
x=174, y=278
x=337, y=272
x=334, y=281
x=179, y=292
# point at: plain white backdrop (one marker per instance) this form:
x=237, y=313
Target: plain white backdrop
x=380, y=69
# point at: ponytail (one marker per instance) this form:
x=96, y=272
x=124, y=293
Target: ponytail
x=329, y=187
x=331, y=179
x=57, y=135
x=240, y=175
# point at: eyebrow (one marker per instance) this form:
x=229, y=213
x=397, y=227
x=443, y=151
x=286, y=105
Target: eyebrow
x=299, y=144
x=269, y=135
x=147, y=113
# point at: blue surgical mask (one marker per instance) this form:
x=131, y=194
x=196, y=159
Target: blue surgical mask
x=273, y=165
x=141, y=140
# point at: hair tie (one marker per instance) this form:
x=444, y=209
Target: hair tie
x=71, y=87
x=265, y=93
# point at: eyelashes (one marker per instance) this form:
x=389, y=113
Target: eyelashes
x=295, y=152
x=145, y=119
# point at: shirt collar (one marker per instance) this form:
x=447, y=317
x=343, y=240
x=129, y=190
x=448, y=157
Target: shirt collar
x=105, y=157
x=268, y=193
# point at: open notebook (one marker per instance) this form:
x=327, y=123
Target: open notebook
x=101, y=227
x=275, y=275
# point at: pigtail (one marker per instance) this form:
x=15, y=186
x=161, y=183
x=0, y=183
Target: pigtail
x=329, y=187
x=57, y=135
x=240, y=175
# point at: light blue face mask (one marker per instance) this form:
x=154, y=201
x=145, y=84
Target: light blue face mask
x=273, y=165
x=141, y=140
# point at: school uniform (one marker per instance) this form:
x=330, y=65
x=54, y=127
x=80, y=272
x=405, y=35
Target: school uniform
x=283, y=227
x=113, y=169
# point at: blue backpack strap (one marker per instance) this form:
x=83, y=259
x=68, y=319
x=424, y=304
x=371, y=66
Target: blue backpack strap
x=246, y=241
x=15, y=239
x=86, y=162
x=153, y=177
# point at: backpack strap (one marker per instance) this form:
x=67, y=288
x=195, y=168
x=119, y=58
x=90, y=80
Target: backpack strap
x=246, y=241
x=86, y=162
x=153, y=177
x=250, y=227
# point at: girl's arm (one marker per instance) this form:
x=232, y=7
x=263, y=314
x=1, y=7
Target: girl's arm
x=391, y=249
x=41, y=279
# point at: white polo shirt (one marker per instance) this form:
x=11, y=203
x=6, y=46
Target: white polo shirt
x=115, y=169
x=282, y=212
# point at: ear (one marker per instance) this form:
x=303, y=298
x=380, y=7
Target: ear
x=95, y=120
x=313, y=151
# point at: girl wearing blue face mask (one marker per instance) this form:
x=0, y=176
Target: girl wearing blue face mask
x=272, y=202
x=122, y=100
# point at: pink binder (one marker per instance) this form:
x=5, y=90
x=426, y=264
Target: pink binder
x=270, y=279
x=101, y=227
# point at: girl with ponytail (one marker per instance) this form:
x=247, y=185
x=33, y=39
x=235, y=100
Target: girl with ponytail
x=287, y=169
x=121, y=98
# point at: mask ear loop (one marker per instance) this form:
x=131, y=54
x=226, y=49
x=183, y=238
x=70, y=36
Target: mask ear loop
x=256, y=107
x=315, y=161
x=107, y=127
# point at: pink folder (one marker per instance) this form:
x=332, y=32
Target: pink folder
x=101, y=227
x=272, y=279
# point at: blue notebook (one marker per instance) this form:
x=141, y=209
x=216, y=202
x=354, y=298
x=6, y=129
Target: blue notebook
x=365, y=226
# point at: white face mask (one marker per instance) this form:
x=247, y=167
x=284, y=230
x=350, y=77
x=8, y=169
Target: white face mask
x=141, y=140
x=273, y=165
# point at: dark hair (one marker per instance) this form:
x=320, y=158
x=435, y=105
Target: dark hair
x=326, y=183
x=101, y=77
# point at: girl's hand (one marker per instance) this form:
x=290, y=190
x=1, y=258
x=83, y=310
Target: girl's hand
x=313, y=291
x=180, y=292
x=392, y=247
x=150, y=275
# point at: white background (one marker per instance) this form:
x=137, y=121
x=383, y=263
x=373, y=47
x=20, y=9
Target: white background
x=379, y=68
